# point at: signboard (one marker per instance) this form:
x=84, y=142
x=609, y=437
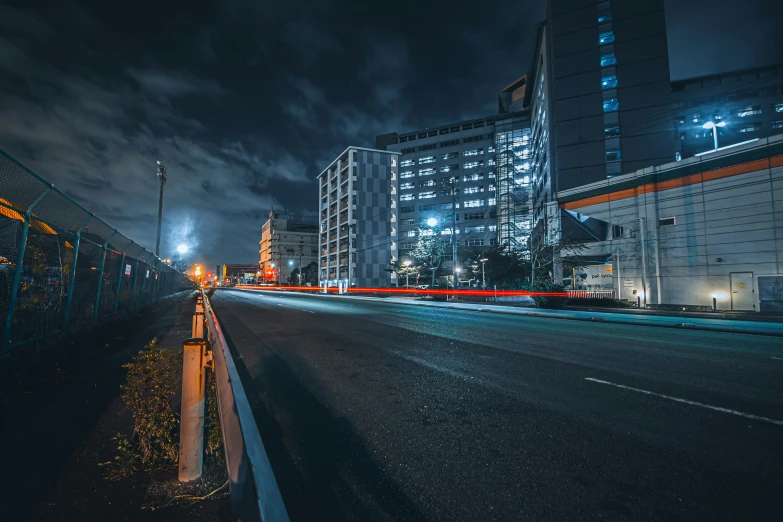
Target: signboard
x=127, y=270
x=628, y=282
x=595, y=277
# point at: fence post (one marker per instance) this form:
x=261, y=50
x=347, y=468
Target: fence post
x=135, y=278
x=191, y=425
x=72, y=278
x=100, y=278
x=119, y=282
x=9, y=320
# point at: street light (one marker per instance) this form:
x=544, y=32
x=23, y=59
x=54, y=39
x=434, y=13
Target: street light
x=407, y=272
x=431, y=222
x=483, y=281
x=712, y=125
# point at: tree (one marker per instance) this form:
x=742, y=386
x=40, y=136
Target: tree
x=503, y=267
x=404, y=271
x=543, y=256
x=429, y=249
x=309, y=275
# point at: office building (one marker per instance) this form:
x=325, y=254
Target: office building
x=288, y=241
x=685, y=233
x=484, y=160
x=358, y=229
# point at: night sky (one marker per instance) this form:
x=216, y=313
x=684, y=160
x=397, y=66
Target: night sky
x=247, y=101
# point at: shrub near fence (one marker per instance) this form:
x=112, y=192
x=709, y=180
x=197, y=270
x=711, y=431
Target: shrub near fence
x=61, y=267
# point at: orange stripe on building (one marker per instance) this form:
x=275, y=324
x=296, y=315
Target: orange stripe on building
x=691, y=179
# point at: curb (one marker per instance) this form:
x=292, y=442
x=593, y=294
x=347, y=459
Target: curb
x=677, y=326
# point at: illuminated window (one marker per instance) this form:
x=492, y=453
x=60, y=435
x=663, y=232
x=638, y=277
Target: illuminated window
x=473, y=177
x=426, y=195
x=404, y=186
x=778, y=107
x=407, y=174
x=605, y=38
x=426, y=172
x=410, y=233
x=427, y=159
x=611, y=132
x=752, y=127
x=406, y=163
x=493, y=228
x=613, y=155
x=428, y=183
x=604, y=12
x=778, y=124
x=445, y=206
x=474, y=203
x=470, y=165
x=608, y=59
x=450, y=155
x=474, y=152
x=473, y=190
x=609, y=82
x=474, y=230
x=491, y=202
x=394, y=161
x=611, y=105
x=406, y=197
x=749, y=111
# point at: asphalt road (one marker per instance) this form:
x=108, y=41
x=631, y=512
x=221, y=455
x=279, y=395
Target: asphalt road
x=382, y=411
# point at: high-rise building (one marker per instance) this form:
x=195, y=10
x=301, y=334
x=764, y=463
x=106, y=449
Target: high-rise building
x=358, y=208
x=468, y=176
x=287, y=242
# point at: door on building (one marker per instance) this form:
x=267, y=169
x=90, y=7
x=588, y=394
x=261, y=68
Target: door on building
x=742, y=291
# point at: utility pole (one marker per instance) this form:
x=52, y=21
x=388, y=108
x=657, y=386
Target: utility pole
x=162, y=177
x=301, y=249
x=452, y=184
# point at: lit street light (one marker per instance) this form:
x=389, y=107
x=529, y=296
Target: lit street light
x=483, y=260
x=431, y=222
x=712, y=125
x=407, y=273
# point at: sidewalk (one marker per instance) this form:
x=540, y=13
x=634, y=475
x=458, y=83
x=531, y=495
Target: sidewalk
x=693, y=321
x=60, y=410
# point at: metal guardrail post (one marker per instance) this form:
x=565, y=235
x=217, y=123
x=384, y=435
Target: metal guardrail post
x=100, y=277
x=72, y=278
x=197, y=330
x=9, y=320
x=191, y=426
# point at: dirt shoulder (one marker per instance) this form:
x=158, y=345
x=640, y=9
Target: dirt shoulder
x=60, y=408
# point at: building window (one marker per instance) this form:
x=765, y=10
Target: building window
x=427, y=183
x=611, y=132
x=613, y=155
x=474, y=203
x=473, y=190
x=749, y=111
x=407, y=174
x=449, y=143
x=604, y=12
x=426, y=159
x=426, y=195
x=410, y=233
x=778, y=124
x=406, y=210
x=449, y=168
x=472, y=216
x=474, y=242
x=450, y=155
x=473, y=177
x=426, y=208
x=608, y=59
x=493, y=228
x=611, y=105
x=405, y=186
x=491, y=202
x=609, y=82
x=667, y=222
x=474, y=230
x=605, y=38
x=408, y=221
x=393, y=161
x=470, y=165
x=406, y=163
x=778, y=107
x=406, y=197
x=752, y=127
x=426, y=172
x=474, y=152
x=471, y=139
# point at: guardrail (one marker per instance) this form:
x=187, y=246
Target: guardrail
x=590, y=294
x=254, y=491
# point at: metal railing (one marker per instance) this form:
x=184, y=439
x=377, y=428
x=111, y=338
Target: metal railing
x=61, y=267
x=254, y=491
x=590, y=294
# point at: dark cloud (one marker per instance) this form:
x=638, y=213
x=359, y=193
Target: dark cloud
x=245, y=101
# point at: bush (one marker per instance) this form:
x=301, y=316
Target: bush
x=546, y=301
x=152, y=386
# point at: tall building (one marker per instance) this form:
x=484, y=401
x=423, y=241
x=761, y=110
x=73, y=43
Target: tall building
x=358, y=232
x=483, y=159
x=287, y=242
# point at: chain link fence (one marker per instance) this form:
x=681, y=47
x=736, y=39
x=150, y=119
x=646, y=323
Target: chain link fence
x=61, y=267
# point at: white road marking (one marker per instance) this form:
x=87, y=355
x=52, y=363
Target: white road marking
x=295, y=308
x=778, y=358
x=685, y=401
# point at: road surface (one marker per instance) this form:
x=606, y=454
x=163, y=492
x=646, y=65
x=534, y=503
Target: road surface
x=372, y=410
